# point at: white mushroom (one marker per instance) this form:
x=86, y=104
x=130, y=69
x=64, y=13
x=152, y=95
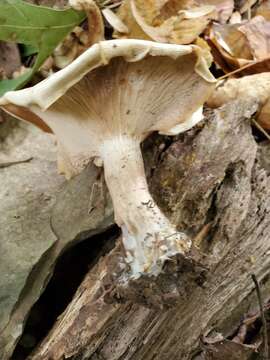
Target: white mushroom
x=102, y=106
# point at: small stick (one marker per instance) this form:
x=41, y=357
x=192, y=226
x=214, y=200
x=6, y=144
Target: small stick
x=11, y=163
x=258, y=126
x=265, y=336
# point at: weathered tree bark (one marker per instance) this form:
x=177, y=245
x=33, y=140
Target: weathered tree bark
x=211, y=183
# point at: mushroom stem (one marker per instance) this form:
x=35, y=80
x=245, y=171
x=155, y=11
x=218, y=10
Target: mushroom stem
x=148, y=236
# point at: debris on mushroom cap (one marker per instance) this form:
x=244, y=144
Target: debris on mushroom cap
x=255, y=86
x=180, y=77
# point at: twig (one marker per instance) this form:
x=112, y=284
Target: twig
x=258, y=126
x=11, y=163
x=265, y=336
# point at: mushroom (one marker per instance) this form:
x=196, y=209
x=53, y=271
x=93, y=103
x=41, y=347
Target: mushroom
x=101, y=107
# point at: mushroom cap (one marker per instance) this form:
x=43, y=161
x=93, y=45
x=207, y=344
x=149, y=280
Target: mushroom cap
x=116, y=88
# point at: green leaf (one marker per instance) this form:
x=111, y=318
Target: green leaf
x=36, y=26
x=7, y=85
x=27, y=50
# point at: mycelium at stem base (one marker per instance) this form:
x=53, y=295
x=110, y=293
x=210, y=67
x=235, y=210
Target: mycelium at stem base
x=148, y=236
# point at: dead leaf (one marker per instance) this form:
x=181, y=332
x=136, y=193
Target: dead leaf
x=70, y=48
x=254, y=67
x=264, y=10
x=132, y=29
x=216, y=347
x=257, y=32
x=226, y=349
x=95, y=24
x=94, y=17
x=239, y=45
x=80, y=39
x=170, y=21
x=229, y=46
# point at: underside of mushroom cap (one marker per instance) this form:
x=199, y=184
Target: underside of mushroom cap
x=118, y=88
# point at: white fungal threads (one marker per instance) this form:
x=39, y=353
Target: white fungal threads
x=148, y=236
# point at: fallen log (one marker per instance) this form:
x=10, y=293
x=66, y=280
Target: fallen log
x=213, y=183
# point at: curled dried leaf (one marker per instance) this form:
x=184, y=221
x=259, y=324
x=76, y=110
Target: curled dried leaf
x=169, y=21
x=231, y=46
x=241, y=44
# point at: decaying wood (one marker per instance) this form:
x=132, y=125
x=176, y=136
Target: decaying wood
x=41, y=215
x=210, y=182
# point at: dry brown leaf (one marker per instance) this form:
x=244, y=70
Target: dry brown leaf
x=257, y=32
x=174, y=25
x=169, y=21
x=226, y=349
x=231, y=47
x=95, y=20
x=254, y=67
x=264, y=10
x=240, y=44
x=134, y=30
x=80, y=39
x=72, y=46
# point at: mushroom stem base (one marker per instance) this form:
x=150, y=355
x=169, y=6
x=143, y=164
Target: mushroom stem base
x=179, y=276
x=149, y=238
